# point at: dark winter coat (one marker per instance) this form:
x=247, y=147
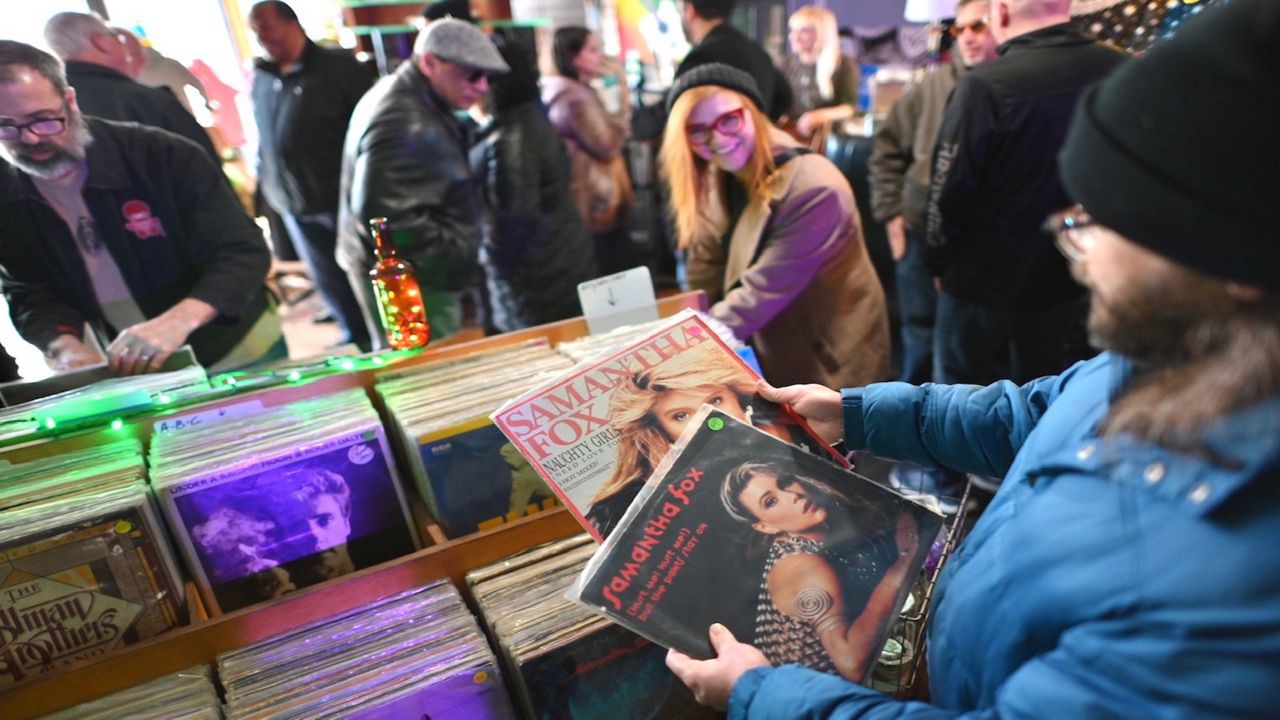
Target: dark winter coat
x=105, y=93
x=995, y=169
x=536, y=247
x=302, y=118
x=405, y=159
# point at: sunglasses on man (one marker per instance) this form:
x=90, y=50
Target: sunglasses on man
x=978, y=27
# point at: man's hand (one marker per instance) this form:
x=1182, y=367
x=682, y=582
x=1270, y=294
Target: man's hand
x=896, y=229
x=144, y=347
x=712, y=680
x=820, y=406
x=68, y=352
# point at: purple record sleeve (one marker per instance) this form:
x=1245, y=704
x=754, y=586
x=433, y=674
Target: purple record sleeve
x=258, y=530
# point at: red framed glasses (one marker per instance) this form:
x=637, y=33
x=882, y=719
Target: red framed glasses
x=729, y=123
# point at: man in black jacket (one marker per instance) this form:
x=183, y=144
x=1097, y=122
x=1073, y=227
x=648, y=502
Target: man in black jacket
x=303, y=96
x=98, y=67
x=405, y=159
x=706, y=25
x=1007, y=303
x=128, y=230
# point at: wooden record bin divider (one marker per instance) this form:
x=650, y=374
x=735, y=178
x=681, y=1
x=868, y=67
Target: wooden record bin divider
x=205, y=638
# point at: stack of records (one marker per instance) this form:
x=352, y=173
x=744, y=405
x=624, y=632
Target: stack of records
x=113, y=464
x=264, y=503
x=419, y=654
x=101, y=402
x=187, y=695
x=467, y=473
x=584, y=348
x=563, y=660
x=84, y=564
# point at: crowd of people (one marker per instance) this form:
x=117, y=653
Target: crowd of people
x=1045, y=197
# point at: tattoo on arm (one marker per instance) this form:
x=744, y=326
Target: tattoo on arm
x=814, y=606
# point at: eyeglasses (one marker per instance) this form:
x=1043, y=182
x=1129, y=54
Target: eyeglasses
x=978, y=27
x=44, y=127
x=1072, y=232
x=729, y=123
x=475, y=76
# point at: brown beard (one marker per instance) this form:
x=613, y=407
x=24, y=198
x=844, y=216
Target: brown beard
x=1152, y=323
x=1200, y=354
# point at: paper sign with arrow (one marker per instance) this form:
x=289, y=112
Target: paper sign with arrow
x=625, y=298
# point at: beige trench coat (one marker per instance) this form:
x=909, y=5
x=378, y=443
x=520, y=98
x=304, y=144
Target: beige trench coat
x=797, y=283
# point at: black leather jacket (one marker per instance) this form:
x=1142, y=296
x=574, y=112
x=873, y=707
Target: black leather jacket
x=536, y=249
x=995, y=169
x=105, y=93
x=405, y=159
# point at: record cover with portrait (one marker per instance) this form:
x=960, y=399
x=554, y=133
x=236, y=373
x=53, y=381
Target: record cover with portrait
x=596, y=432
x=270, y=525
x=81, y=577
x=792, y=554
x=475, y=479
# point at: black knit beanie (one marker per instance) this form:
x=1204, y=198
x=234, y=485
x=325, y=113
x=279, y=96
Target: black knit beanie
x=717, y=74
x=1179, y=151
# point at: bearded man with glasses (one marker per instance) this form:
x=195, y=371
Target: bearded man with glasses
x=405, y=158
x=121, y=242
x=1126, y=567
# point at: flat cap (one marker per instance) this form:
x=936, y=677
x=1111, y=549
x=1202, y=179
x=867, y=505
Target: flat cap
x=461, y=42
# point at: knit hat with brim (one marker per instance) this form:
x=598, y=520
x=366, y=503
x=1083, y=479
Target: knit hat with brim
x=1179, y=151
x=717, y=74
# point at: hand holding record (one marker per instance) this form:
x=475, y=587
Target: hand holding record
x=712, y=680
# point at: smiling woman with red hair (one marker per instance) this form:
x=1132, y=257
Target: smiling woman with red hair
x=772, y=235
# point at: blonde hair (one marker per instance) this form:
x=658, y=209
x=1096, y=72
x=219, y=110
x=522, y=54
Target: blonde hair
x=690, y=177
x=641, y=440
x=828, y=44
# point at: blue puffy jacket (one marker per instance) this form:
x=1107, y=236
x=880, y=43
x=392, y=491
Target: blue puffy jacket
x=1108, y=578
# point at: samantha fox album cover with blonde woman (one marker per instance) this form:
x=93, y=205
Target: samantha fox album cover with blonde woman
x=597, y=432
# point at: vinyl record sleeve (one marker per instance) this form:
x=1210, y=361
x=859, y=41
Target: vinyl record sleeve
x=475, y=479
x=727, y=506
x=595, y=432
x=80, y=578
x=257, y=530
x=343, y=630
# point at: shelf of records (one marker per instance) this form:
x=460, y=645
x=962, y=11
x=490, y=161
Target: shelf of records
x=310, y=537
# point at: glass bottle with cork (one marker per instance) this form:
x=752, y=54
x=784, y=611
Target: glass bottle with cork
x=400, y=308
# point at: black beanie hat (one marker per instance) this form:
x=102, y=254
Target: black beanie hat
x=717, y=74
x=1179, y=151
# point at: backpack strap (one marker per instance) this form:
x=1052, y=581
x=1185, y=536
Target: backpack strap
x=789, y=154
